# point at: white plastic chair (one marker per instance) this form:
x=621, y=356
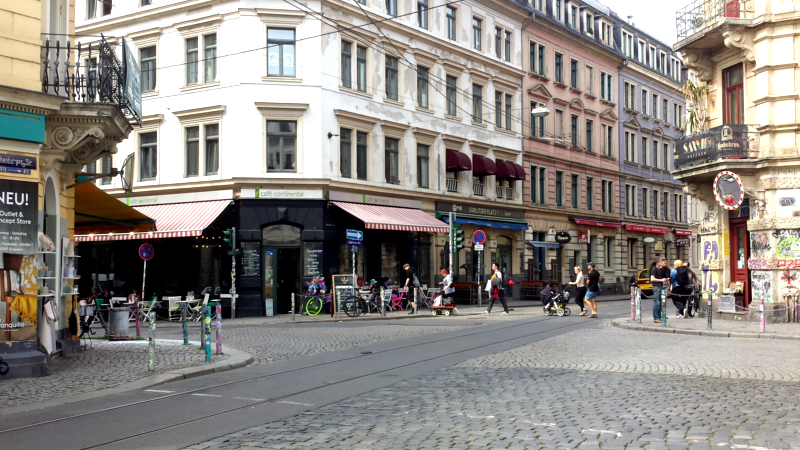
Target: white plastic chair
x=174, y=308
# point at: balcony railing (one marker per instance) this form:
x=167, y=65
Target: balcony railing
x=509, y=193
x=499, y=191
x=477, y=188
x=452, y=184
x=96, y=76
x=722, y=142
x=702, y=15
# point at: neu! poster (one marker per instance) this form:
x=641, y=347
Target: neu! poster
x=19, y=201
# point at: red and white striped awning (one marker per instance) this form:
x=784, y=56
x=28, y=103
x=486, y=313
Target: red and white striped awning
x=391, y=218
x=173, y=220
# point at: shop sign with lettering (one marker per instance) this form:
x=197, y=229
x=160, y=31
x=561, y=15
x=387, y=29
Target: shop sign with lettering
x=583, y=237
x=563, y=237
x=481, y=211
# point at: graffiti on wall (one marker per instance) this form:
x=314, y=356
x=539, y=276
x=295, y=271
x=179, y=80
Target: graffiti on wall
x=759, y=245
x=710, y=261
x=793, y=263
x=760, y=263
x=709, y=224
x=762, y=285
x=788, y=243
x=758, y=210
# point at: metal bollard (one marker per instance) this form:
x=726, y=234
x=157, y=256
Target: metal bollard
x=293, y=317
x=207, y=333
x=185, y=333
x=763, y=321
x=633, y=303
x=151, y=367
x=136, y=314
x=415, y=300
x=339, y=305
x=663, y=307
x=219, y=328
x=708, y=312
x=202, y=330
x=383, y=302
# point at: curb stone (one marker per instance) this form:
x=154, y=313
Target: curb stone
x=621, y=323
x=236, y=359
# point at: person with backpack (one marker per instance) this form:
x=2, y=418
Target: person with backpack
x=592, y=289
x=497, y=291
x=680, y=285
x=659, y=274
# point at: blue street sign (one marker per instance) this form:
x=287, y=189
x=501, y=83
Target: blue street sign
x=479, y=237
x=146, y=251
x=352, y=242
x=355, y=235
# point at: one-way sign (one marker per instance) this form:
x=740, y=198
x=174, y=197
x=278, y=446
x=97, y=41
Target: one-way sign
x=355, y=237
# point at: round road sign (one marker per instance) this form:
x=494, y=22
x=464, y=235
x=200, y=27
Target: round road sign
x=479, y=237
x=146, y=252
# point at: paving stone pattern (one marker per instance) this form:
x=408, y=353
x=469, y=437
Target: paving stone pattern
x=106, y=365
x=276, y=343
x=570, y=392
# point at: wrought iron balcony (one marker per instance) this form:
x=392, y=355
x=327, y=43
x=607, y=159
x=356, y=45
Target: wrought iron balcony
x=499, y=191
x=722, y=142
x=509, y=193
x=703, y=15
x=97, y=75
x=477, y=188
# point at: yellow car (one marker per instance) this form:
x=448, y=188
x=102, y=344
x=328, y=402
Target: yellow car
x=643, y=281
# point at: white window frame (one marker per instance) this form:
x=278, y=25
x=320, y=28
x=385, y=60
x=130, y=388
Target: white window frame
x=629, y=95
x=656, y=204
x=150, y=124
x=655, y=152
x=201, y=35
x=286, y=112
x=627, y=44
x=630, y=146
x=354, y=46
x=642, y=50
x=651, y=56
x=606, y=33
x=589, y=79
x=655, y=103
x=645, y=98
x=588, y=20
x=645, y=203
x=608, y=80
x=608, y=131
x=662, y=61
x=534, y=63
x=271, y=22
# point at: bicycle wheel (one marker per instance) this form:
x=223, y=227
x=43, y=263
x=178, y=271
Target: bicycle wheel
x=313, y=306
x=351, y=306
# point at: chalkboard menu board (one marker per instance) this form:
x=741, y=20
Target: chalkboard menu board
x=312, y=259
x=251, y=260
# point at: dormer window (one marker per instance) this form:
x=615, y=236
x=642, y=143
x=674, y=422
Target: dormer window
x=589, y=24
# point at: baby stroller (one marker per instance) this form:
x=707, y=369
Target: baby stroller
x=555, y=303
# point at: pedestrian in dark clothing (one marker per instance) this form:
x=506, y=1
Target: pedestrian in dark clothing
x=659, y=274
x=411, y=285
x=497, y=292
x=580, y=284
x=592, y=289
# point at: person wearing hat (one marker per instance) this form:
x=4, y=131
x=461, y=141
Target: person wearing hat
x=446, y=295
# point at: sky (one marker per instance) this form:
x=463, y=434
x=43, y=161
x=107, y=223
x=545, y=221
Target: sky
x=655, y=17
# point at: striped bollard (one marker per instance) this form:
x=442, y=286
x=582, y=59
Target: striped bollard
x=663, y=307
x=709, y=313
x=219, y=328
x=207, y=332
x=638, y=300
x=763, y=320
x=633, y=303
x=151, y=367
x=185, y=332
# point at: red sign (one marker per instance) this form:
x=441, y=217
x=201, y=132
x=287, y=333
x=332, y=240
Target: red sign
x=597, y=223
x=645, y=229
x=479, y=237
x=583, y=236
x=146, y=252
x=679, y=232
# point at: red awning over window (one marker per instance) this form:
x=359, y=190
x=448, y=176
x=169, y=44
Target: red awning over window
x=679, y=232
x=482, y=165
x=505, y=170
x=520, y=171
x=376, y=217
x=596, y=223
x=457, y=161
x=645, y=229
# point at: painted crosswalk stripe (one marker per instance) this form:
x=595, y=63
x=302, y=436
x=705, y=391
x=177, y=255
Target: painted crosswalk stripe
x=159, y=391
x=251, y=399
x=206, y=395
x=294, y=403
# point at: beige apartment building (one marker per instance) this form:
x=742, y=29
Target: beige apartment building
x=741, y=157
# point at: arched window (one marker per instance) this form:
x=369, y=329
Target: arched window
x=280, y=235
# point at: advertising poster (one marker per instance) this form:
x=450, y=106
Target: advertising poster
x=18, y=244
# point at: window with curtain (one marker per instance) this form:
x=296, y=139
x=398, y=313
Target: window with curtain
x=392, y=160
x=280, y=52
x=361, y=155
x=192, y=151
x=210, y=57
x=451, y=23
x=191, y=61
x=423, y=166
x=452, y=95
x=345, y=147
x=361, y=68
x=477, y=103
x=574, y=190
x=212, y=149
x=391, y=78
x=477, y=32
x=422, y=87
x=347, y=62
x=148, y=156
x=147, y=59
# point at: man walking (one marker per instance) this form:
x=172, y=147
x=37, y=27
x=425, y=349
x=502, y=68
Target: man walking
x=659, y=274
x=412, y=283
x=497, y=291
x=680, y=285
x=592, y=289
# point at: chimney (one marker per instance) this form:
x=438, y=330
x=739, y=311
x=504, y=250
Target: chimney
x=630, y=20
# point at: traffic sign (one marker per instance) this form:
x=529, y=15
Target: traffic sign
x=479, y=237
x=146, y=252
x=355, y=235
x=352, y=242
x=477, y=247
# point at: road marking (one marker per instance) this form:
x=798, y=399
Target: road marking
x=294, y=403
x=159, y=391
x=479, y=417
x=604, y=431
x=248, y=398
x=539, y=424
x=206, y=395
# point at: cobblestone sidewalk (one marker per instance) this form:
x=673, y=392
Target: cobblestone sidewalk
x=106, y=365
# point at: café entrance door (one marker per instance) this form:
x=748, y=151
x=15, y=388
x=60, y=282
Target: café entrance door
x=281, y=255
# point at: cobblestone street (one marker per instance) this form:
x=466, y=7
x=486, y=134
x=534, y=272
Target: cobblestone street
x=597, y=388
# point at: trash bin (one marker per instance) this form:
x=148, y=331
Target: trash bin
x=268, y=307
x=118, y=320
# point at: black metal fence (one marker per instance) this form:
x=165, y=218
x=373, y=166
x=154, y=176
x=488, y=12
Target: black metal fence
x=97, y=75
x=702, y=15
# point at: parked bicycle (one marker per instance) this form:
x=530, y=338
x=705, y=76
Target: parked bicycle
x=354, y=306
x=317, y=297
x=3, y=367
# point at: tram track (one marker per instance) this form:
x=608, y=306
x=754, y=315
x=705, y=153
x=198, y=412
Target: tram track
x=275, y=399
